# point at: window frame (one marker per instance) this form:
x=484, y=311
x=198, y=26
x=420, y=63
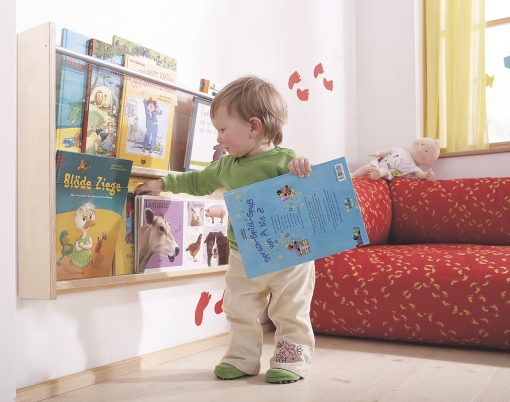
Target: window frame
x=506, y=144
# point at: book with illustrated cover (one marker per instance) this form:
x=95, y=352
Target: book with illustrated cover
x=138, y=50
x=146, y=118
x=288, y=220
x=90, y=196
x=159, y=232
x=125, y=249
x=203, y=149
x=205, y=242
x=71, y=90
x=104, y=91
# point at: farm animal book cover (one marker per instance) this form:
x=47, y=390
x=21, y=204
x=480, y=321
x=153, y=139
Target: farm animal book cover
x=104, y=90
x=146, y=119
x=138, y=50
x=90, y=196
x=159, y=233
x=71, y=91
x=288, y=220
x=202, y=149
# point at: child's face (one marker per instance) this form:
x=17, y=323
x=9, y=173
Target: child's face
x=151, y=107
x=237, y=135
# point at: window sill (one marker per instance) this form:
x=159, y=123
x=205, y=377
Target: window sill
x=494, y=149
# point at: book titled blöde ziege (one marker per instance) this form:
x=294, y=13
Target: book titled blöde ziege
x=90, y=196
x=288, y=220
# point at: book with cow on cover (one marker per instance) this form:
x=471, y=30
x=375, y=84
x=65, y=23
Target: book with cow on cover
x=90, y=196
x=288, y=220
x=159, y=232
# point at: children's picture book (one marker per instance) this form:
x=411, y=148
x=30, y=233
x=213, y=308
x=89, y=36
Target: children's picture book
x=288, y=220
x=203, y=147
x=104, y=90
x=125, y=249
x=71, y=89
x=180, y=233
x=159, y=233
x=147, y=115
x=216, y=245
x=135, y=49
x=90, y=196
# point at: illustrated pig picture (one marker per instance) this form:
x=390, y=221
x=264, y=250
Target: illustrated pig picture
x=217, y=211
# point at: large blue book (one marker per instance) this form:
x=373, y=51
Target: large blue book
x=71, y=92
x=288, y=220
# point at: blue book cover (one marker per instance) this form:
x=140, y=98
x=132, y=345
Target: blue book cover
x=288, y=220
x=71, y=92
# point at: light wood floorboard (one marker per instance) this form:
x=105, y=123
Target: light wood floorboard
x=344, y=369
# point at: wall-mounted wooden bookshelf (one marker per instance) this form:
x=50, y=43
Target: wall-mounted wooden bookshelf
x=36, y=177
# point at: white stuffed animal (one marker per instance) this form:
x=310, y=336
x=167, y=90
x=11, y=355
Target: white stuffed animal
x=397, y=162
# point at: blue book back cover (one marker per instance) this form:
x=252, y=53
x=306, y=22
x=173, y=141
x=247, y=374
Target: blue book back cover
x=288, y=220
x=73, y=82
x=71, y=93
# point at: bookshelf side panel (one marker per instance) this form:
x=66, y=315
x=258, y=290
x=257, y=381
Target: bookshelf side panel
x=36, y=162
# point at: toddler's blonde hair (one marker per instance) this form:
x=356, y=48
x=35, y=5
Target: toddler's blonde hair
x=251, y=96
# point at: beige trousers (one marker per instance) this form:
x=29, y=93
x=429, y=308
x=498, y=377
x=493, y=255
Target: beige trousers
x=245, y=300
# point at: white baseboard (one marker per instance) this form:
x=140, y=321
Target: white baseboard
x=72, y=382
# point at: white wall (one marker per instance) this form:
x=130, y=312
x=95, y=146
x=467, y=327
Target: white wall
x=219, y=40
x=8, y=201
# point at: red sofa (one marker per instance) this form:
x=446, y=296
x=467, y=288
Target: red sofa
x=437, y=269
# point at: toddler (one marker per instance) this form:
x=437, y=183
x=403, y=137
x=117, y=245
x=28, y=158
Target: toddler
x=249, y=114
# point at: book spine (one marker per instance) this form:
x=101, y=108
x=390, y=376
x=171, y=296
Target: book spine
x=84, y=131
x=187, y=153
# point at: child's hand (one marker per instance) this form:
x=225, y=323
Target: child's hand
x=300, y=166
x=151, y=187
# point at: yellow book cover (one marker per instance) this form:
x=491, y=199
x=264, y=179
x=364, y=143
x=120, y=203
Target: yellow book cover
x=90, y=195
x=147, y=114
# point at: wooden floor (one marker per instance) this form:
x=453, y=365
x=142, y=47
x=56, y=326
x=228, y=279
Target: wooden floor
x=344, y=369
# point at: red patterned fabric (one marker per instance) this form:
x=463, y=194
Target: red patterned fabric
x=435, y=291
x=375, y=206
x=451, y=211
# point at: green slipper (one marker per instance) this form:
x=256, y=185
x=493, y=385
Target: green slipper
x=281, y=376
x=227, y=372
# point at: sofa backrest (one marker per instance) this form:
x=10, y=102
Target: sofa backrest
x=375, y=206
x=450, y=211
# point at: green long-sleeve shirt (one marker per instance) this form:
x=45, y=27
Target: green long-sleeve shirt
x=231, y=173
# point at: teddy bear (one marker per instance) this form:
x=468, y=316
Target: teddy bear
x=398, y=162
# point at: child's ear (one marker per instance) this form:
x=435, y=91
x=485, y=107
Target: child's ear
x=256, y=126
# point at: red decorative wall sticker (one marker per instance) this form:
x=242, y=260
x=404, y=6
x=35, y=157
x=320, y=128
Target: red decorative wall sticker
x=304, y=94
x=294, y=79
x=328, y=84
x=203, y=302
x=318, y=70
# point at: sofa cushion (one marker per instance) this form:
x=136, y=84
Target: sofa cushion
x=451, y=211
x=375, y=206
x=456, y=294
